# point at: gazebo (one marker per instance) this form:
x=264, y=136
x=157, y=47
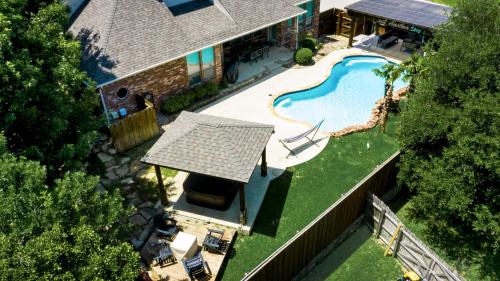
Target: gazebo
x=212, y=146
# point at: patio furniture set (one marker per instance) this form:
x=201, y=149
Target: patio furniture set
x=184, y=247
x=252, y=52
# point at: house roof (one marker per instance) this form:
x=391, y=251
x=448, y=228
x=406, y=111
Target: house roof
x=415, y=12
x=210, y=145
x=123, y=37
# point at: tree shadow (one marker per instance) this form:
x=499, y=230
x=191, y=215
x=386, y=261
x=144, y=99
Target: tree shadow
x=95, y=61
x=271, y=210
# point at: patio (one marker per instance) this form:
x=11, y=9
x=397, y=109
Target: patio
x=175, y=271
x=274, y=60
x=369, y=43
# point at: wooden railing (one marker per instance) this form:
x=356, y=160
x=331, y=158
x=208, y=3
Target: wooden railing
x=134, y=129
x=295, y=254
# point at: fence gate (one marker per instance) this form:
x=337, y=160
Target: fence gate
x=407, y=247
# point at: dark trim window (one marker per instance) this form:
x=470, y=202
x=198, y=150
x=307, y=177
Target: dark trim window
x=306, y=20
x=201, y=66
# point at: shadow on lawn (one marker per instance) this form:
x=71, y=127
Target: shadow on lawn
x=270, y=212
x=340, y=254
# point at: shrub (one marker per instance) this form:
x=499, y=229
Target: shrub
x=310, y=43
x=177, y=103
x=304, y=56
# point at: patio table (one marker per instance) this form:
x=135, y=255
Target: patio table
x=184, y=246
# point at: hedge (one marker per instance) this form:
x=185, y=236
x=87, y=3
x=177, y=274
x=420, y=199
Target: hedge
x=304, y=56
x=177, y=103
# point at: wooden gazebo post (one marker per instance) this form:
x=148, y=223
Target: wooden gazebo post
x=354, y=26
x=243, y=208
x=163, y=192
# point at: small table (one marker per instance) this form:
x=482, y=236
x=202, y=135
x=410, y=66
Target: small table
x=185, y=245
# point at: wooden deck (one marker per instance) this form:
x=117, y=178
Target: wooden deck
x=176, y=271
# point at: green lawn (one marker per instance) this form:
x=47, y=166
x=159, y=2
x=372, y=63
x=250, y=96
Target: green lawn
x=360, y=257
x=303, y=192
x=478, y=266
x=450, y=3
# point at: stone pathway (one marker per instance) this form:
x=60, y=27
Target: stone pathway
x=137, y=183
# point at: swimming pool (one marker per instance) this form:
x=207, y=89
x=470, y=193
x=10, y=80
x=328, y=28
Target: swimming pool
x=344, y=99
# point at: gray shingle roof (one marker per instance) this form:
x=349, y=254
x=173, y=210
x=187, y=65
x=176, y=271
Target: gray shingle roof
x=121, y=37
x=420, y=13
x=210, y=145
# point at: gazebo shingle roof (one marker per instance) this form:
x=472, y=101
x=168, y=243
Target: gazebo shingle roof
x=210, y=145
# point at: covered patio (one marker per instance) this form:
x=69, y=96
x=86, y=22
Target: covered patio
x=394, y=28
x=218, y=157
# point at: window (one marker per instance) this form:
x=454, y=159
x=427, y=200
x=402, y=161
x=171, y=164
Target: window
x=201, y=66
x=305, y=20
x=208, y=63
x=122, y=93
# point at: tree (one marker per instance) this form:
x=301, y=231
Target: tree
x=46, y=111
x=450, y=131
x=63, y=232
x=390, y=72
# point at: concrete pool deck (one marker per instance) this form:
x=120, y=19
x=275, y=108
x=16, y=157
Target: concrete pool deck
x=254, y=104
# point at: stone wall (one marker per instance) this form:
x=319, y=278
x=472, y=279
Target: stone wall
x=164, y=80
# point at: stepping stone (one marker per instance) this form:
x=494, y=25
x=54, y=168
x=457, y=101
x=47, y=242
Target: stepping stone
x=136, y=166
x=111, y=175
x=105, y=146
x=127, y=181
x=146, y=205
x=132, y=195
x=127, y=188
x=137, y=219
x=104, y=157
x=112, y=168
x=148, y=213
x=105, y=182
x=100, y=188
x=112, y=151
x=125, y=160
x=110, y=163
x=122, y=171
x=135, y=202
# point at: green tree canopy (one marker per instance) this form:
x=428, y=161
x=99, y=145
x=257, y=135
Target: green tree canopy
x=450, y=130
x=65, y=232
x=46, y=112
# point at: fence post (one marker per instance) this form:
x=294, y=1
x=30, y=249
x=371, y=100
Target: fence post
x=396, y=243
x=380, y=223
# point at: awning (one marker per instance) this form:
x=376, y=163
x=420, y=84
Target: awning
x=414, y=12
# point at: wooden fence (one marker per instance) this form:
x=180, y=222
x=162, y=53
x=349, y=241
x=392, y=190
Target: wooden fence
x=295, y=254
x=406, y=246
x=134, y=129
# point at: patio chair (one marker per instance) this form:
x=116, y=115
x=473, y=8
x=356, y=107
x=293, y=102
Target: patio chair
x=314, y=129
x=166, y=226
x=165, y=255
x=196, y=266
x=213, y=241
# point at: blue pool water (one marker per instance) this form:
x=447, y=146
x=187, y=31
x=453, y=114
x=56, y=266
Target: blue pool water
x=345, y=98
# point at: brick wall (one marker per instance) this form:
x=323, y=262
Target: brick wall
x=315, y=22
x=284, y=39
x=167, y=79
